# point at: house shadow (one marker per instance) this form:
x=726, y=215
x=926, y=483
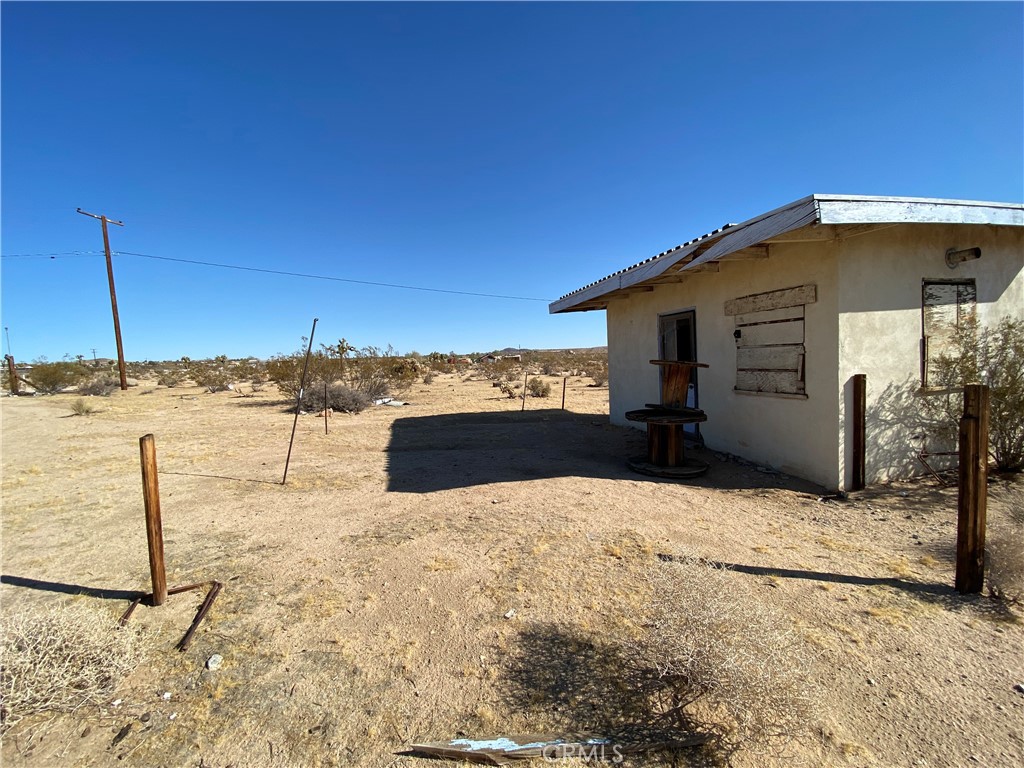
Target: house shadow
x=436, y=453
x=463, y=450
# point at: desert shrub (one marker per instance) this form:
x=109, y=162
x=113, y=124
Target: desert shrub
x=339, y=398
x=170, y=378
x=428, y=377
x=371, y=371
x=983, y=355
x=51, y=378
x=598, y=371
x=82, y=407
x=1004, y=556
x=102, y=386
x=215, y=375
x=538, y=388
x=60, y=659
x=713, y=653
x=507, y=389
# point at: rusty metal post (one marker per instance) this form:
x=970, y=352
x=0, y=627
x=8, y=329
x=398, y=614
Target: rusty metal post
x=113, y=295
x=860, y=389
x=298, y=401
x=972, y=500
x=564, y=380
x=12, y=375
x=154, y=526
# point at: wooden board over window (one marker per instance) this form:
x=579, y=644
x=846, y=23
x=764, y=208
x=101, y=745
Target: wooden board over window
x=946, y=307
x=770, y=351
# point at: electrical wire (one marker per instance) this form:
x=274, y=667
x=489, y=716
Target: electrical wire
x=331, y=278
x=274, y=272
x=50, y=255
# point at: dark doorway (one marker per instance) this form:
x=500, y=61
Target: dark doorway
x=677, y=340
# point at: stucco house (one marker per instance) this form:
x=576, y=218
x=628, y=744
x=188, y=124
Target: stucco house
x=788, y=306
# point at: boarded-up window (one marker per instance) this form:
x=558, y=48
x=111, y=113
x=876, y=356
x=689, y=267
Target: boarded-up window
x=770, y=352
x=946, y=306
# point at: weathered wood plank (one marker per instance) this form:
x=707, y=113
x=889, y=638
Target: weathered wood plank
x=786, y=382
x=770, y=316
x=791, y=332
x=782, y=358
x=760, y=302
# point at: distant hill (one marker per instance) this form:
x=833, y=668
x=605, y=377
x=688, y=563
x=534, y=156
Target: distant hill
x=576, y=350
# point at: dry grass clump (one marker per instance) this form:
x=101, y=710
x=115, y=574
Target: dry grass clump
x=61, y=658
x=82, y=407
x=1005, y=558
x=721, y=659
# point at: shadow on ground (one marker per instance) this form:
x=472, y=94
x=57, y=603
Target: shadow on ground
x=437, y=453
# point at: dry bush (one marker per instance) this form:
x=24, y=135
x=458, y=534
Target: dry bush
x=598, y=371
x=716, y=655
x=214, y=375
x=102, y=386
x=507, y=389
x=428, y=377
x=1004, y=556
x=985, y=355
x=339, y=398
x=170, y=378
x=51, y=378
x=82, y=407
x=538, y=388
x=61, y=658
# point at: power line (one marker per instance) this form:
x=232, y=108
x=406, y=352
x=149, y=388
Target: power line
x=50, y=255
x=331, y=278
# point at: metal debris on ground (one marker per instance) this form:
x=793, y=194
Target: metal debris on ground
x=502, y=750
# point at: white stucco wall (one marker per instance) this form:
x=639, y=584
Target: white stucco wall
x=880, y=276
x=798, y=436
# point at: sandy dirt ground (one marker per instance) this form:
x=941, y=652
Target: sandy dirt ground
x=364, y=603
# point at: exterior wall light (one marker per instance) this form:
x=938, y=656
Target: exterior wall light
x=955, y=257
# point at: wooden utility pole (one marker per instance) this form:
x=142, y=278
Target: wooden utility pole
x=972, y=501
x=154, y=526
x=113, y=295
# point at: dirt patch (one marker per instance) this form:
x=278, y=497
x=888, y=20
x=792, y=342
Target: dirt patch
x=364, y=604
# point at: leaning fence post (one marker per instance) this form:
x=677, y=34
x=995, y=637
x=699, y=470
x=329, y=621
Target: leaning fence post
x=526, y=377
x=12, y=375
x=972, y=500
x=154, y=527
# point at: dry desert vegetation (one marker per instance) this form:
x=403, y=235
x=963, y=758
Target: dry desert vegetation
x=457, y=567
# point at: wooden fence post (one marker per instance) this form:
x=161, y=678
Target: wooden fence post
x=12, y=374
x=860, y=390
x=526, y=377
x=154, y=527
x=564, y=380
x=973, y=497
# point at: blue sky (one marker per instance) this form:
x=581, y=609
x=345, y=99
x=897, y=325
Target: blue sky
x=514, y=149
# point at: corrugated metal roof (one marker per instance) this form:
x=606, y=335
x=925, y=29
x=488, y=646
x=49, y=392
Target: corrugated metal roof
x=823, y=209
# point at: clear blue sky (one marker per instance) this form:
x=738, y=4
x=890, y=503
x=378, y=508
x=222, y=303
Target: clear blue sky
x=517, y=149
